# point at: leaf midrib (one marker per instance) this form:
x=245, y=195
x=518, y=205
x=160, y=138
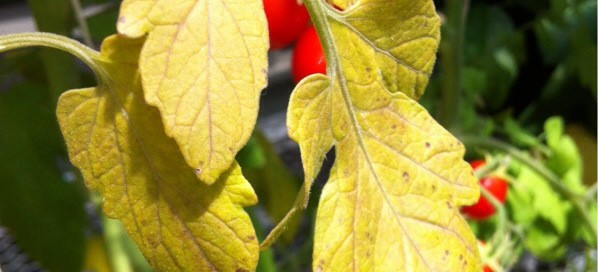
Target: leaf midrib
x=357, y=129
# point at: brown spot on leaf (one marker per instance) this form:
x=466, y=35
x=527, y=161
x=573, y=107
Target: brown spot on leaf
x=460, y=257
x=321, y=264
x=344, y=127
x=153, y=242
x=250, y=238
x=368, y=69
x=446, y=252
x=433, y=187
x=369, y=236
x=240, y=269
x=394, y=126
x=428, y=145
x=449, y=205
x=406, y=176
x=122, y=19
x=197, y=171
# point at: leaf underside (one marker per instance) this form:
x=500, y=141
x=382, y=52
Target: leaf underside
x=179, y=222
x=203, y=66
x=393, y=196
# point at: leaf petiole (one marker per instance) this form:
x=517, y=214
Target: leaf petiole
x=318, y=14
x=85, y=54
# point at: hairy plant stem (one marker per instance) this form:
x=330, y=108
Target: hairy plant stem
x=300, y=204
x=319, y=12
x=575, y=199
x=451, y=50
x=85, y=54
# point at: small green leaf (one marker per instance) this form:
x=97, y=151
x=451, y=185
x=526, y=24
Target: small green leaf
x=565, y=159
x=518, y=203
x=554, y=128
x=546, y=201
x=544, y=242
x=518, y=135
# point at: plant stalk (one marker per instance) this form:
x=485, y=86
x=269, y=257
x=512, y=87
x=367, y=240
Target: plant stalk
x=451, y=50
x=317, y=10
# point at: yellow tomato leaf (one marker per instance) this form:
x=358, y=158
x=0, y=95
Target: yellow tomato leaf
x=203, y=65
x=119, y=143
x=393, y=41
x=393, y=196
x=310, y=119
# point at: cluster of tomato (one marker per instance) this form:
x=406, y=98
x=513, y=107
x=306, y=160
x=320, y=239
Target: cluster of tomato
x=288, y=22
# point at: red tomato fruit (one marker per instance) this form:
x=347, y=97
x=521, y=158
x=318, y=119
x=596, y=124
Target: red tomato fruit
x=487, y=269
x=496, y=186
x=286, y=21
x=308, y=56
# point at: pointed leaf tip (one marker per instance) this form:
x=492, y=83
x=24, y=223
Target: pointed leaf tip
x=203, y=66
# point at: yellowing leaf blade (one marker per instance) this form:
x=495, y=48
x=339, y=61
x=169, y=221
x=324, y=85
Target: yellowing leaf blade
x=204, y=66
x=118, y=142
x=393, y=196
x=398, y=38
x=310, y=122
x=386, y=201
